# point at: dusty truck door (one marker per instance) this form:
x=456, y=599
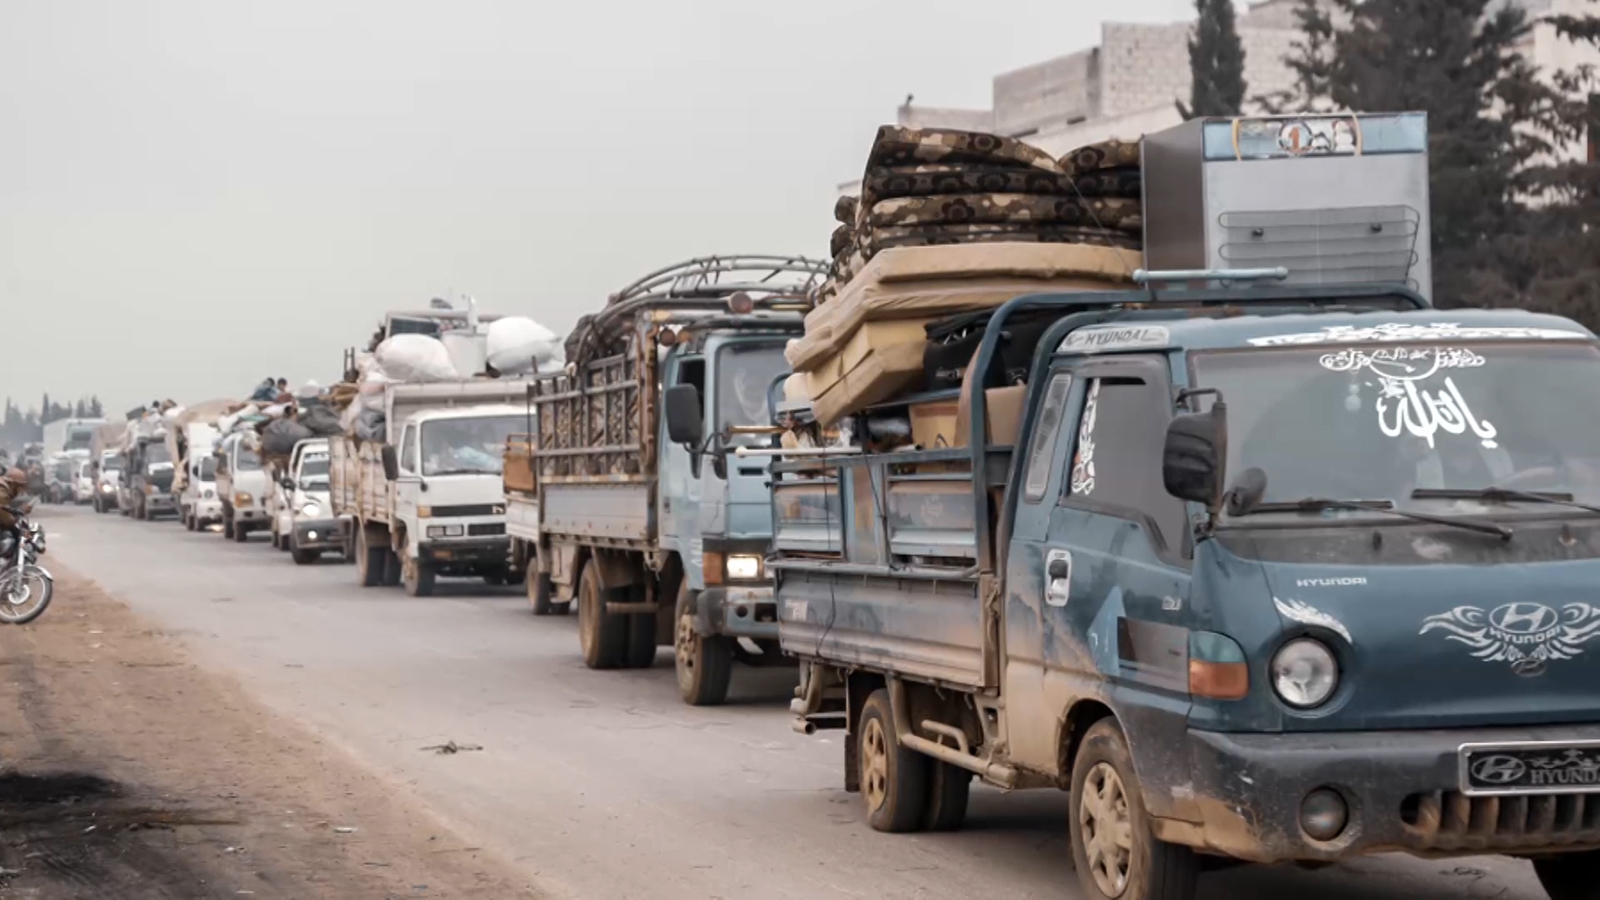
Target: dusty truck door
x=1114, y=570
x=679, y=500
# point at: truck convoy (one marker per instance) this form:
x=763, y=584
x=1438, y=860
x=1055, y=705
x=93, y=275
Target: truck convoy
x=145, y=491
x=107, y=464
x=660, y=539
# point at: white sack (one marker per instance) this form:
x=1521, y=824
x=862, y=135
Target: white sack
x=415, y=358
x=518, y=344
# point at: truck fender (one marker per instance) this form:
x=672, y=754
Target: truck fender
x=616, y=569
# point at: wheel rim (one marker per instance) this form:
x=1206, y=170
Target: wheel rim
x=1106, y=827
x=585, y=616
x=874, y=765
x=19, y=598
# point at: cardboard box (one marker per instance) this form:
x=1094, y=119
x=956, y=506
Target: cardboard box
x=1004, y=407
x=933, y=424
x=901, y=342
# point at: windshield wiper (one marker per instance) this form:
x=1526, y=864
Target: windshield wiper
x=1318, y=504
x=461, y=472
x=1501, y=495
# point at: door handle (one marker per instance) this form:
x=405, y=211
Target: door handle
x=1057, y=577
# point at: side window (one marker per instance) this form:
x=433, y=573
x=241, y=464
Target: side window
x=1116, y=459
x=693, y=371
x=408, y=449
x=1042, y=448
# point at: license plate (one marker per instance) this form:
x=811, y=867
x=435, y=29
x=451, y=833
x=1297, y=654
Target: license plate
x=1541, y=767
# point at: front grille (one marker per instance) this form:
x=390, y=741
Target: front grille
x=480, y=509
x=486, y=529
x=1450, y=820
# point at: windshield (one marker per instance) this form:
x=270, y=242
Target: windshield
x=246, y=460
x=208, y=468
x=1379, y=422
x=63, y=471
x=156, y=453
x=79, y=439
x=467, y=446
x=745, y=371
x=314, y=468
x=112, y=464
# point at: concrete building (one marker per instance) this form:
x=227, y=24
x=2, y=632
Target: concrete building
x=1130, y=84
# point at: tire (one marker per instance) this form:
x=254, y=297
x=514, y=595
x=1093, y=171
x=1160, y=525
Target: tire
x=1106, y=799
x=1570, y=876
x=495, y=579
x=603, y=638
x=189, y=523
x=35, y=608
x=419, y=578
x=240, y=533
x=304, y=557
x=539, y=593
x=138, y=512
x=894, y=780
x=641, y=641
x=948, y=789
x=393, y=571
x=704, y=664
x=227, y=524
x=370, y=561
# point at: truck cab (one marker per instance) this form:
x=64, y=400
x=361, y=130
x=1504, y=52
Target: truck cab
x=146, y=491
x=83, y=491
x=448, y=499
x=108, y=471
x=198, y=504
x=303, y=522
x=242, y=486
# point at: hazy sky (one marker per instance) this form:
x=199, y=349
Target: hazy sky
x=198, y=193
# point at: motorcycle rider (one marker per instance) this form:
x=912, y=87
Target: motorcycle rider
x=12, y=487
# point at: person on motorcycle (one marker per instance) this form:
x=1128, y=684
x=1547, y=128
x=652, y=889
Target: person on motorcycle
x=12, y=486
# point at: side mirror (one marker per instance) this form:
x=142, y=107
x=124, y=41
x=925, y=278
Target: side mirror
x=391, y=463
x=1247, y=491
x=1195, y=455
x=685, y=423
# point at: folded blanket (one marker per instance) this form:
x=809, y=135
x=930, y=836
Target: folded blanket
x=1012, y=209
x=1111, y=154
x=880, y=239
x=896, y=146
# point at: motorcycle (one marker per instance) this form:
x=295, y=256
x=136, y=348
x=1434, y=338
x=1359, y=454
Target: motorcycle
x=25, y=586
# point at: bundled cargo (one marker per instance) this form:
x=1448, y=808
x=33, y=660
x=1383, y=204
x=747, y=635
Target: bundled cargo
x=929, y=187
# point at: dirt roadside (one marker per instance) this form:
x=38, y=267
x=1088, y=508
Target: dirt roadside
x=126, y=771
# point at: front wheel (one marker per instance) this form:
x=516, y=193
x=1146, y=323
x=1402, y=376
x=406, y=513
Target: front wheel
x=704, y=663
x=24, y=594
x=240, y=533
x=1570, y=876
x=419, y=578
x=227, y=524
x=304, y=557
x=1114, y=851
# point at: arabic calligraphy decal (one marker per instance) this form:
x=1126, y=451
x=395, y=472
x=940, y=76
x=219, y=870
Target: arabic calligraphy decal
x=1396, y=332
x=1521, y=633
x=1404, y=404
x=1083, y=460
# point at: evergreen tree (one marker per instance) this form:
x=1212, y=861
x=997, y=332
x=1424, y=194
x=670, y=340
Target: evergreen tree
x=1216, y=62
x=96, y=411
x=1311, y=60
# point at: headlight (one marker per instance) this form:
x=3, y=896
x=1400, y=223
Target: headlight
x=744, y=567
x=438, y=531
x=310, y=509
x=149, y=488
x=1305, y=673
x=105, y=488
x=243, y=499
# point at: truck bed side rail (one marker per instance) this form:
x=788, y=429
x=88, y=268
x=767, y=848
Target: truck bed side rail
x=591, y=425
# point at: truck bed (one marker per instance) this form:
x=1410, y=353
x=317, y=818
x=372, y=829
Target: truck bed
x=356, y=484
x=875, y=563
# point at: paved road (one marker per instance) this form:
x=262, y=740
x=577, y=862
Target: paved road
x=602, y=784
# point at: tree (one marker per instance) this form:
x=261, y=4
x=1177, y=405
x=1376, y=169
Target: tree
x=1311, y=60
x=1216, y=62
x=96, y=411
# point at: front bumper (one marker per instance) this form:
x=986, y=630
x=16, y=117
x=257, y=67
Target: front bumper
x=319, y=534
x=250, y=514
x=1403, y=789
x=159, y=503
x=467, y=553
x=208, y=510
x=748, y=611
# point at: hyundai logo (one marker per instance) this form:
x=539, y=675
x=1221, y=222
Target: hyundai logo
x=1523, y=618
x=1498, y=769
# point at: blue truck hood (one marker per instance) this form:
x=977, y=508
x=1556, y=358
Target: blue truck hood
x=1433, y=627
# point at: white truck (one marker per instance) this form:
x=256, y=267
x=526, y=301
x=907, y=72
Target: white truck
x=195, y=486
x=427, y=500
x=73, y=436
x=106, y=464
x=242, y=486
x=299, y=507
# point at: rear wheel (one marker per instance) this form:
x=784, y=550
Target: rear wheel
x=704, y=664
x=1570, y=876
x=539, y=593
x=603, y=637
x=392, y=569
x=1115, y=853
x=894, y=780
x=948, y=789
x=641, y=641
x=369, y=559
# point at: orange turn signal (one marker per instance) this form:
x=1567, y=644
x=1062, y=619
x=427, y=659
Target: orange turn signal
x=711, y=563
x=1219, y=681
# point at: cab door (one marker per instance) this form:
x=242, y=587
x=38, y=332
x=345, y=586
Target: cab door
x=679, y=500
x=408, y=487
